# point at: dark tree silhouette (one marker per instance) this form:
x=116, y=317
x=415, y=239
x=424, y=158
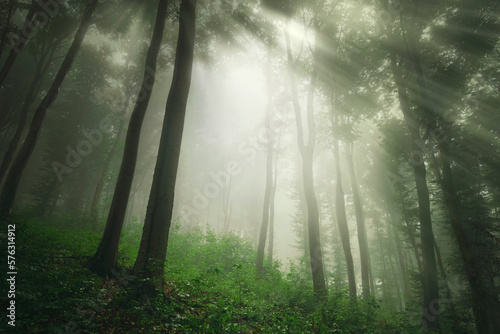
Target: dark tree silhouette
x=104, y=260
x=154, y=241
x=9, y=189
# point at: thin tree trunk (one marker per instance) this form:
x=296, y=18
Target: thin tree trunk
x=105, y=167
x=153, y=248
x=306, y=151
x=396, y=283
x=484, y=304
x=26, y=31
x=410, y=235
x=401, y=260
x=9, y=189
x=360, y=224
x=104, y=260
x=342, y=222
x=447, y=290
x=269, y=174
x=270, y=248
x=5, y=31
x=226, y=206
x=384, y=267
x=430, y=283
x=40, y=71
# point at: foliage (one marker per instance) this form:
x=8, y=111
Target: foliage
x=210, y=288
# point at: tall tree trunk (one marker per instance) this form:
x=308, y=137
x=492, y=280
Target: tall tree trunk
x=409, y=233
x=9, y=189
x=26, y=31
x=384, y=267
x=484, y=304
x=393, y=271
x=104, y=260
x=431, y=291
x=342, y=221
x=153, y=248
x=447, y=289
x=269, y=173
x=270, y=248
x=105, y=166
x=5, y=31
x=226, y=206
x=40, y=71
x=306, y=152
x=401, y=260
x=360, y=224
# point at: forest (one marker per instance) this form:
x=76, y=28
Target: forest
x=259, y=166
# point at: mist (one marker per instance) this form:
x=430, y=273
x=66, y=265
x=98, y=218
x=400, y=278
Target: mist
x=197, y=166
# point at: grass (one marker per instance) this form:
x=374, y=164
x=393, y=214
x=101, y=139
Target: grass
x=210, y=288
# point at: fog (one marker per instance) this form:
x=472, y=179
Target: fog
x=349, y=149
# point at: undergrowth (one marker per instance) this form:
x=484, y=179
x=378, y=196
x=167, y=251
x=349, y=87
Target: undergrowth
x=210, y=288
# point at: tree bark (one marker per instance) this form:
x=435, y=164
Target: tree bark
x=9, y=189
x=396, y=277
x=26, y=31
x=269, y=175
x=270, y=248
x=153, y=248
x=430, y=283
x=226, y=205
x=409, y=232
x=7, y=23
x=40, y=71
x=401, y=260
x=342, y=222
x=484, y=304
x=104, y=260
x=105, y=166
x=306, y=152
x=360, y=224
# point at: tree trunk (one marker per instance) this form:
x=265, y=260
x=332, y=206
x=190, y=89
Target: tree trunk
x=411, y=237
x=447, y=291
x=430, y=283
x=401, y=260
x=104, y=260
x=342, y=222
x=226, y=206
x=306, y=152
x=269, y=174
x=9, y=189
x=393, y=271
x=26, y=31
x=105, y=167
x=384, y=267
x=153, y=248
x=270, y=248
x=360, y=224
x=7, y=23
x=40, y=71
x=484, y=304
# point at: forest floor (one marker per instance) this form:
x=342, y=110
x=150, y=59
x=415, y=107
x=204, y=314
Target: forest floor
x=210, y=288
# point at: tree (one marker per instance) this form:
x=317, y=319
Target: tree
x=28, y=26
x=306, y=150
x=43, y=63
x=9, y=189
x=269, y=174
x=154, y=241
x=360, y=224
x=7, y=24
x=104, y=260
x=340, y=206
x=416, y=156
